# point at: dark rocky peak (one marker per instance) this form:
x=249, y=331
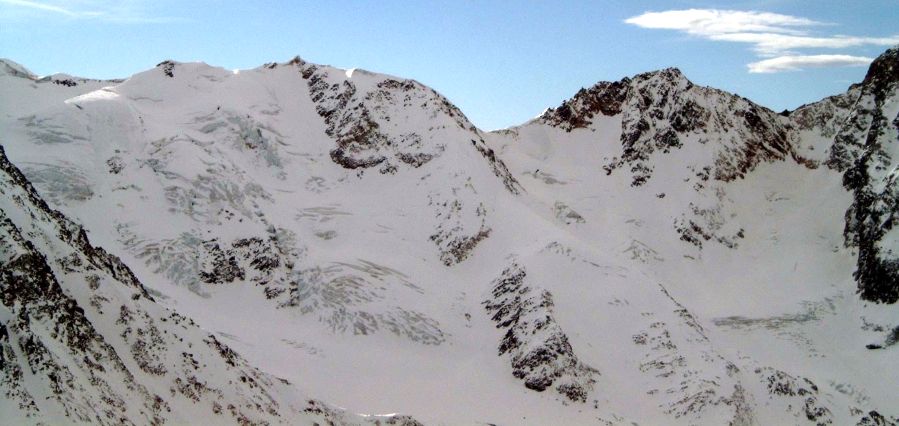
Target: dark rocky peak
x=608, y=98
x=360, y=110
x=884, y=71
x=857, y=133
x=662, y=110
x=667, y=76
x=826, y=116
x=167, y=67
x=657, y=89
x=662, y=89
x=863, y=134
x=850, y=111
x=603, y=98
x=846, y=111
x=296, y=61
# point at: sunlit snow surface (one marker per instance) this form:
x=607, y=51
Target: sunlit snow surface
x=370, y=287
x=104, y=94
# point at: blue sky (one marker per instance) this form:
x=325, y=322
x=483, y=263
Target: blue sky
x=502, y=62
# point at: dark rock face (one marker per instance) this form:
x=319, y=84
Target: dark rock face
x=540, y=352
x=458, y=248
x=883, y=73
x=873, y=418
x=225, y=265
x=802, y=390
x=860, y=152
x=454, y=240
x=11, y=375
x=497, y=166
x=29, y=289
x=827, y=115
x=115, y=164
x=352, y=119
x=31, y=292
x=660, y=110
x=167, y=67
x=68, y=82
x=603, y=98
x=705, y=225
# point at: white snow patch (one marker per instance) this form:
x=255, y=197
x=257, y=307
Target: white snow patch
x=105, y=93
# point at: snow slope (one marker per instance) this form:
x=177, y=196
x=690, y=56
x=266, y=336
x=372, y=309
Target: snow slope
x=82, y=340
x=650, y=251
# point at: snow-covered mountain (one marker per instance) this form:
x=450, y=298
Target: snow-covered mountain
x=650, y=251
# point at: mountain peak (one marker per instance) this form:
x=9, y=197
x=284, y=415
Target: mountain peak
x=296, y=60
x=671, y=74
x=607, y=97
x=168, y=67
x=885, y=69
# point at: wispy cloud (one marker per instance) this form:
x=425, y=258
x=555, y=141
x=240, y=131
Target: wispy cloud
x=712, y=22
x=771, y=35
x=767, y=44
x=108, y=11
x=41, y=6
x=798, y=62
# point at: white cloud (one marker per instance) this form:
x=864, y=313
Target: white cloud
x=102, y=10
x=712, y=22
x=771, y=35
x=797, y=62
